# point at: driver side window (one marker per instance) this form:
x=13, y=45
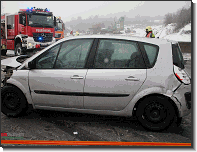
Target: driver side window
x=73, y=54
x=47, y=59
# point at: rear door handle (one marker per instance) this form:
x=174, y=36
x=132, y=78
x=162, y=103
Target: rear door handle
x=131, y=78
x=76, y=77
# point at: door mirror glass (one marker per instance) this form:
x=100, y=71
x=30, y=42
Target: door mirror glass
x=20, y=19
x=26, y=65
x=24, y=20
x=54, y=21
x=30, y=65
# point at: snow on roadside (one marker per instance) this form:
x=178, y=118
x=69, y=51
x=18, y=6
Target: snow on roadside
x=178, y=37
x=184, y=34
x=166, y=30
x=187, y=56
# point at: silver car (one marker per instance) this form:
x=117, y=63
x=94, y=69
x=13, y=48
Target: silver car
x=109, y=75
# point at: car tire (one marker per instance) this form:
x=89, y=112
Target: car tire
x=3, y=52
x=155, y=113
x=18, y=49
x=13, y=101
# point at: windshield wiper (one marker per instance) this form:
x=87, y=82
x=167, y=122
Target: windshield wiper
x=47, y=25
x=37, y=24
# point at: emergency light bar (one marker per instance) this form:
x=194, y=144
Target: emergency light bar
x=35, y=9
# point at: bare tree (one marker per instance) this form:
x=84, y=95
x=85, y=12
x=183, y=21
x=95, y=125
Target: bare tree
x=181, y=18
x=169, y=18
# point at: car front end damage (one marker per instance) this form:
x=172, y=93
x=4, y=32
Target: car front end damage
x=10, y=64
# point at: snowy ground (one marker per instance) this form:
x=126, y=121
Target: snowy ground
x=184, y=34
x=166, y=32
x=187, y=56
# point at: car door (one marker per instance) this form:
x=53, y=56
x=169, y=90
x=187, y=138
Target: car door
x=118, y=73
x=58, y=79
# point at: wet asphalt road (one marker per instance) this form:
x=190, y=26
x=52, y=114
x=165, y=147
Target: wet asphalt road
x=67, y=126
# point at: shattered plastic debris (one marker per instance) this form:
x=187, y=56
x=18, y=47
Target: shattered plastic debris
x=75, y=133
x=151, y=136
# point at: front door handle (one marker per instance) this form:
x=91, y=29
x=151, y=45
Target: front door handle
x=131, y=78
x=76, y=77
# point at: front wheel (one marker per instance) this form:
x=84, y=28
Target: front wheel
x=13, y=101
x=18, y=49
x=155, y=113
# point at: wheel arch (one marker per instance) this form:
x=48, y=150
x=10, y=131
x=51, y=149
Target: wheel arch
x=13, y=82
x=18, y=39
x=155, y=95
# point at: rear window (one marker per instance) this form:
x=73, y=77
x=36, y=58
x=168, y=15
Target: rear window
x=177, y=56
x=152, y=52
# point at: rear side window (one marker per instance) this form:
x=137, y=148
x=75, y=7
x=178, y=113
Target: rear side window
x=152, y=53
x=117, y=54
x=177, y=56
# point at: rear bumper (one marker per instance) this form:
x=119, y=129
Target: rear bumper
x=183, y=96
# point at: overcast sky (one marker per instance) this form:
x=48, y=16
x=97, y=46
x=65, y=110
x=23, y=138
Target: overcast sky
x=72, y=9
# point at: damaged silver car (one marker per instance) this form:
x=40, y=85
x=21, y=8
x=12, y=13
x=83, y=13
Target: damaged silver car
x=109, y=75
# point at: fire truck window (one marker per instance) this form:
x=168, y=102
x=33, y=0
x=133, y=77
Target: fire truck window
x=20, y=19
x=10, y=22
x=24, y=20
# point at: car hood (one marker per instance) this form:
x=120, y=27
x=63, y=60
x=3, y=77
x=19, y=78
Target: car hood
x=14, y=61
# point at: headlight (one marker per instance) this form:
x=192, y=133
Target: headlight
x=29, y=44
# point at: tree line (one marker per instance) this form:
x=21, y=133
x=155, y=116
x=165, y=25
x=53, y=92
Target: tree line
x=182, y=17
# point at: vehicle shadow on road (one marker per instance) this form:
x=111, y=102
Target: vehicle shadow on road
x=59, y=118
x=92, y=127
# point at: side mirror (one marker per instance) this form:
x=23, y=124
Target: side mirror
x=26, y=65
x=64, y=26
x=54, y=21
x=30, y=65
x=20, y=19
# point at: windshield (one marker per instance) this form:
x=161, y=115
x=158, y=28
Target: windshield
x=41, y=21
x=177, y=56
x=59, y=27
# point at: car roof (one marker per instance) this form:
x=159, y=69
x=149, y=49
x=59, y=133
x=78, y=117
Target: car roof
x=122, y=37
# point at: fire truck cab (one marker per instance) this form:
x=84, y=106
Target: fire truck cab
x=29, y=29
x=59, y=29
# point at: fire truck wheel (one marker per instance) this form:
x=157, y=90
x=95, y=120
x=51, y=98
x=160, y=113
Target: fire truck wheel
x=18, y=49
x=3, y=52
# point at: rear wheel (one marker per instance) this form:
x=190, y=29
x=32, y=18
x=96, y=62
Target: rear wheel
x=13, y=101
x=18, y=49
x=155, y=113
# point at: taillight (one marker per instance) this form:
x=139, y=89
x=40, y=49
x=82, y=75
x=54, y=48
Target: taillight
x=178, y=77
x=181, y=75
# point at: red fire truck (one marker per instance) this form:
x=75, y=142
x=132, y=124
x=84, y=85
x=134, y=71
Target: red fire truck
x=29, y=29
